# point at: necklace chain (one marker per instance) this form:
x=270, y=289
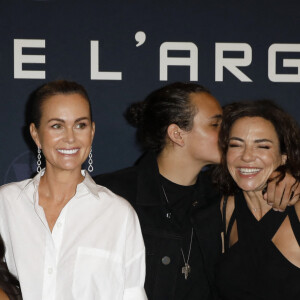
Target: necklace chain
x=187, y=268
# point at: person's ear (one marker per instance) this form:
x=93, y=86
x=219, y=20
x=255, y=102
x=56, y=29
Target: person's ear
x=93, y=130
x=283, y=159
x=34, y=135
x=175, y=134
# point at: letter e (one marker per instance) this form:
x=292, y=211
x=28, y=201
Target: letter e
x=20, y=59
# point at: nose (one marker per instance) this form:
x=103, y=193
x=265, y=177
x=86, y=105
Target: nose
x=248, y=154
x=69, y=135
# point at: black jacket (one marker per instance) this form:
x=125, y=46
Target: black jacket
x=140, y=185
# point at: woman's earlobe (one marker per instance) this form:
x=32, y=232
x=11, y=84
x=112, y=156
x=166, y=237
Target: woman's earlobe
x=93, y=129
x=174, y=134
x=180, y=139
x=283, y=159
x=34, y=135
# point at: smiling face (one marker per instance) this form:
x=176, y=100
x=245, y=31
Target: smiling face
x=253, y=152
x=201, y=142
x=66, y=131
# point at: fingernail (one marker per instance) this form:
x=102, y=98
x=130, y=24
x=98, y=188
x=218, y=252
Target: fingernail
x=275, y=209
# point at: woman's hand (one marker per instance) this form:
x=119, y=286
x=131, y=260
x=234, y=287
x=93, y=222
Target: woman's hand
x=283, y=193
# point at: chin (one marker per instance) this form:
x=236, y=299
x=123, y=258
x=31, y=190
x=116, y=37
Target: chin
x=70, y=168
x=251, y=188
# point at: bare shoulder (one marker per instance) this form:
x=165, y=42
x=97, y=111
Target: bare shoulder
x=3, y=295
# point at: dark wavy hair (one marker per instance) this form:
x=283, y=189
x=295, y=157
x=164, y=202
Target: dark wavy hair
x=168, y=105
x=287, y=130
x=8, y=283
x=47, y=90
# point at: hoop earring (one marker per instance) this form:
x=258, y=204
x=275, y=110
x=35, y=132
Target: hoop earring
x=90, y=168
x=39, y=162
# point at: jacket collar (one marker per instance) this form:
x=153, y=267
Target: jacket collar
x=149, y=190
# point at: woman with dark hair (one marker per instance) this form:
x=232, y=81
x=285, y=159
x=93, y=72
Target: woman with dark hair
x=262, y=247
x=177, y=126
x=66, y=236
x=9, y=285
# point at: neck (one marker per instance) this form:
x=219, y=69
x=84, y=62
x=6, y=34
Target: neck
x=59, y=185
x=174, y=166
x=256, y=203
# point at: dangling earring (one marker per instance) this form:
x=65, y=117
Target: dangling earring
x=39, y=162
x=90, y=168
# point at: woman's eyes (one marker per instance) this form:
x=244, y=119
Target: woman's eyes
x=77, y=126
x=217, y=124
x=56, y=126
x=259, y=146
x=81, y=125
x=233, y=145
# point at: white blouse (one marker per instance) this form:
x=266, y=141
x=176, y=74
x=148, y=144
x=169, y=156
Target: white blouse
x=95, y=250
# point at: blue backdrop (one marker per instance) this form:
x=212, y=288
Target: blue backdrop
x=121, y=50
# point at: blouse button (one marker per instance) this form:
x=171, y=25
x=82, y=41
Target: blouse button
x=166, y=260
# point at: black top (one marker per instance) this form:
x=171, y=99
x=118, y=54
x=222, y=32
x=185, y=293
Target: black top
x=141, y=185
x=179, y=203
x=253, y=268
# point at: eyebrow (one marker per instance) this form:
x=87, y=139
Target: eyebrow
x=217, y=117
x=63, y=121
x=256, y=141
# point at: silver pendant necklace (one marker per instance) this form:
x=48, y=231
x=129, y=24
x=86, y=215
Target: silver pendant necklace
x=186, y=269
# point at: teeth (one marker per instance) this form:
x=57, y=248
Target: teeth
x=65, y=151
x=248, y=171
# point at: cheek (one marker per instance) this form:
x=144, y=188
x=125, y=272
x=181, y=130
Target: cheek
x=274, y=161
x=231, y=168
x=208, y=136
x=85, y=137
x=232, y=161
x=215, y=137
x=231, y=156
x=49, y=139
